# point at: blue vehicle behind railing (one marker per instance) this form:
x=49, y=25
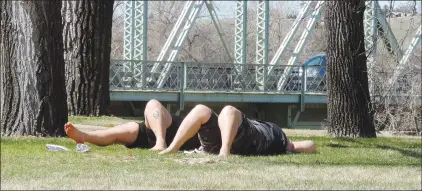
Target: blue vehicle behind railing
x=315, y=74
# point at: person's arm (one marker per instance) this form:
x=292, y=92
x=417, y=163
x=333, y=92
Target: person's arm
x=302, y=146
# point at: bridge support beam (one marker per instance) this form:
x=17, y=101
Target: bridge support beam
x=240, y=39
x=263, y=19
x=289, y=115
x=301, y=101
x=290, y=123
x=135, y=111
x=168, y=107
x=182, y=78
x=135, y=41
x=370, y=29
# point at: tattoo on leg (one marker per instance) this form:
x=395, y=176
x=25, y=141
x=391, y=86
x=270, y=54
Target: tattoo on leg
x=156, y=114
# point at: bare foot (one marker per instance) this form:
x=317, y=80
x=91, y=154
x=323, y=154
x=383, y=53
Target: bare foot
x=168, y=150
x=158, y=147
x=224, y=153
x=74, y=133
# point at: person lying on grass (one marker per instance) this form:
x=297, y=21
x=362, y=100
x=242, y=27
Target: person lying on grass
x=233, y=133
x=155, y=132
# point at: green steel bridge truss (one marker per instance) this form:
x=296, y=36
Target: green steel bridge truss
x=136, y=78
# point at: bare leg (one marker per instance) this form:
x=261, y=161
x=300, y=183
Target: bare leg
x=302, y=146
x=189, y=127
x=122, y=134
x=158, y=119
x=228, y=121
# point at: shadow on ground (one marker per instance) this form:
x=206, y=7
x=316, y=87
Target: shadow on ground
x=386, y=146
x=405, y=152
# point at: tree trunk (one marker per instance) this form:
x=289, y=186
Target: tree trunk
x=33, y=100
x=87, y=44
x=349, y=104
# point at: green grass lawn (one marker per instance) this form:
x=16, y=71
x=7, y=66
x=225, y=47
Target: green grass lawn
x=381, y=163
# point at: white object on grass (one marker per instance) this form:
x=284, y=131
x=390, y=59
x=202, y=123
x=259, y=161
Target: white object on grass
x=195, y=151
x=51, y=147
x=82, y=148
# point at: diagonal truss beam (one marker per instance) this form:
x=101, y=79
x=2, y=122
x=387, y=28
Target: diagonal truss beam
x=262, y=38
x=299, y=47
x=400, y=67
x=289, y=36
x=172, y=46
x=387, y=34
x=219, y=28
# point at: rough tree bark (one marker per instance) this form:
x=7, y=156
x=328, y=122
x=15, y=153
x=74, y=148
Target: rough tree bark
x=33, y=100
x=349, y=104
x=87, y=44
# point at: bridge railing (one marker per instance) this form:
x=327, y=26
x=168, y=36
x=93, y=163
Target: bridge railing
x=213, y=77
x=222, y=78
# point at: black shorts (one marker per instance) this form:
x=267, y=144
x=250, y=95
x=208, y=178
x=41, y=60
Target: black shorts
x=146, y=137
x=253, y=137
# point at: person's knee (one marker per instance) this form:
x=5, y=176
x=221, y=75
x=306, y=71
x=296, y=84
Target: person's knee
x=202, y=111
x=154, y=110
x=152, y=104
x=229, y=111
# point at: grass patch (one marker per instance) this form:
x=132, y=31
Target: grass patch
x=381, y=163
x=381, y=151
x=104, y=121
x=340, y=163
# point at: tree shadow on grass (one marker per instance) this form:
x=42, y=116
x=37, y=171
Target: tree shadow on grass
x=405, y=152
x=350, y=139
x=337, y=145
x=346, y=139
